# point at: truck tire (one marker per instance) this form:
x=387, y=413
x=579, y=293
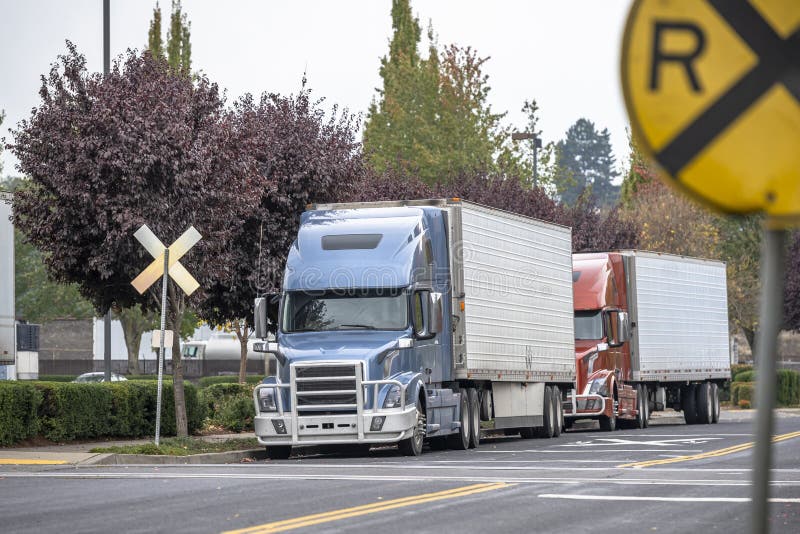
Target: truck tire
x=689, y=404
x=475, y=417
x=641, y=411
x=412, y=446
x=279, y=452
x=646, y=404
x=460, y=440
x=558, y=420
x=609, y=423
x=548, y=423
x=715, y=394
x=705, y=399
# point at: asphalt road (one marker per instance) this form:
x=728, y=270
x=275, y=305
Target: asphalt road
x=667, y=478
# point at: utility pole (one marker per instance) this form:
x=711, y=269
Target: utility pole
x=106, y=69
x=537, y=144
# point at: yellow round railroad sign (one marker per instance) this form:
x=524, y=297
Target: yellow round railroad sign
x=712, y=88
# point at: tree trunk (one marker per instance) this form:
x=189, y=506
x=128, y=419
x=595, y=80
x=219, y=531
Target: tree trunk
x=134, y=324
x=177, y=307
x=243, y=333
x=750, y=335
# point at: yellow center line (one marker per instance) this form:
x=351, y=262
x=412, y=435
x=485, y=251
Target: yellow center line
x=709, y=454
x=21, y=461
x=335, y=515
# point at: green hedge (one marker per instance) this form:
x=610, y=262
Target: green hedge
x=69, y=411
x=207, y=381
x=737, y=368
x=19, y=406
x=229, y=406
x=788, y=387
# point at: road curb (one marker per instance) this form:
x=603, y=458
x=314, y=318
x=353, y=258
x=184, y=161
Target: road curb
x=229, y=457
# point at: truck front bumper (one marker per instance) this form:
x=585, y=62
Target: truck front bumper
x=384, y=426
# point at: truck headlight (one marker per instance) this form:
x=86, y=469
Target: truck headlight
x=392, y=399
x=266, y=400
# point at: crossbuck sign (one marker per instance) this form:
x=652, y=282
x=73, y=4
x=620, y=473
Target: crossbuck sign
x=176, y=251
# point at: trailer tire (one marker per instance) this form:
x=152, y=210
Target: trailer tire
x=715, y=394
x=705, y=400
x=558, y=419
x=460, y=440
x=279, y=452
x=609, y=423
x=548, y=424
x=475, y=417
x=412, y=446
x=689, y=404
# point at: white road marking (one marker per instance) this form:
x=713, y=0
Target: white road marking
x=657, y=499
x=680, y=435
x=593, y=451
x=409, y=478
x=657, y=443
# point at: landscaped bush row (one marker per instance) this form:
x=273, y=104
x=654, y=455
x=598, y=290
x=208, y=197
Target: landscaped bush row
x=228, y=379
x=64, y=412
x=57, y=378
x=229, y=406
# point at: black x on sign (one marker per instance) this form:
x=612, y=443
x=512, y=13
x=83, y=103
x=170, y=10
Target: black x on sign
x=712, y=88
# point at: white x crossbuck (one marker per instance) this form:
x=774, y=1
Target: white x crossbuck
x=177, y=250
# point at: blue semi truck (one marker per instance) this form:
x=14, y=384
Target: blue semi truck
x=401, y=322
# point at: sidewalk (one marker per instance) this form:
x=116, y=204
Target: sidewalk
x=78, y=453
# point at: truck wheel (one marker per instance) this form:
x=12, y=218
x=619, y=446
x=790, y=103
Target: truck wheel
x=413, y=446
x=646, y=405
x=460, y=440
x=609, y=423
x=279, y=452
x=558, y=420
x=715, y=395
x=689, y=404
x=705, y=400
x=640, y=409
x=548, y=424
x=475, y=417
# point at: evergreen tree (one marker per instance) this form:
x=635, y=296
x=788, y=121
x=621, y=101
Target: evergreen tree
x=640, y=172
x=179, y=48
x=431, y=119
x=585, y=165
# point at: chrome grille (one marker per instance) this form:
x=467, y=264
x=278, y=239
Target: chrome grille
x=321, y=387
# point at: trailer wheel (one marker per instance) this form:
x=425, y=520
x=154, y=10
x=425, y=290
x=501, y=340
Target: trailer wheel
x=704, y=400
x=715, y=395
x=689, y=404
x=609, y=423
x=548, y=424
x=413, y=446
x=558, y=420
x=475, y=417
x=460, y=440
x=279, y=452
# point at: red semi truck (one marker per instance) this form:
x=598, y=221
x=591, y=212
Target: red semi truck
x=651, y=332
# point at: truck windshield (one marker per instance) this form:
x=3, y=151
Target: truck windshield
x=373, y=309
x=588, y=325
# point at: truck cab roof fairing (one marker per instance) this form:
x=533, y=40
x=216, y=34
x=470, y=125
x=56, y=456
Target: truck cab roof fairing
x=594, y=288
x=387, y=249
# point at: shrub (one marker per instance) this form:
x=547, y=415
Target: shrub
x=744, y=404
x=145, y=377
x=19, y=405
x=207, y=381
x=742, y=391
x=57, y=378
x=788, y=387
x=229, y=406
x=72, y=411
x=745, y=376
x=739, y=367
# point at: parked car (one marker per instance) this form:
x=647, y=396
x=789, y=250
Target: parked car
x=99, y=377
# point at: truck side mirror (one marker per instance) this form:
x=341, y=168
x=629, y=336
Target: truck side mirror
x=435, y=314
x=260, y=319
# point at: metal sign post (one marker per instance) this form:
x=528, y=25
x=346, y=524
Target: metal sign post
x=714, y=99
x=165, y=264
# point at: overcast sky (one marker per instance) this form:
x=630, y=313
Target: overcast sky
x=563, y=53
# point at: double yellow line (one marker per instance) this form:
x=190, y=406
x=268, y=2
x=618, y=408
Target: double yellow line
x=335, y=515
x=709, y=454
